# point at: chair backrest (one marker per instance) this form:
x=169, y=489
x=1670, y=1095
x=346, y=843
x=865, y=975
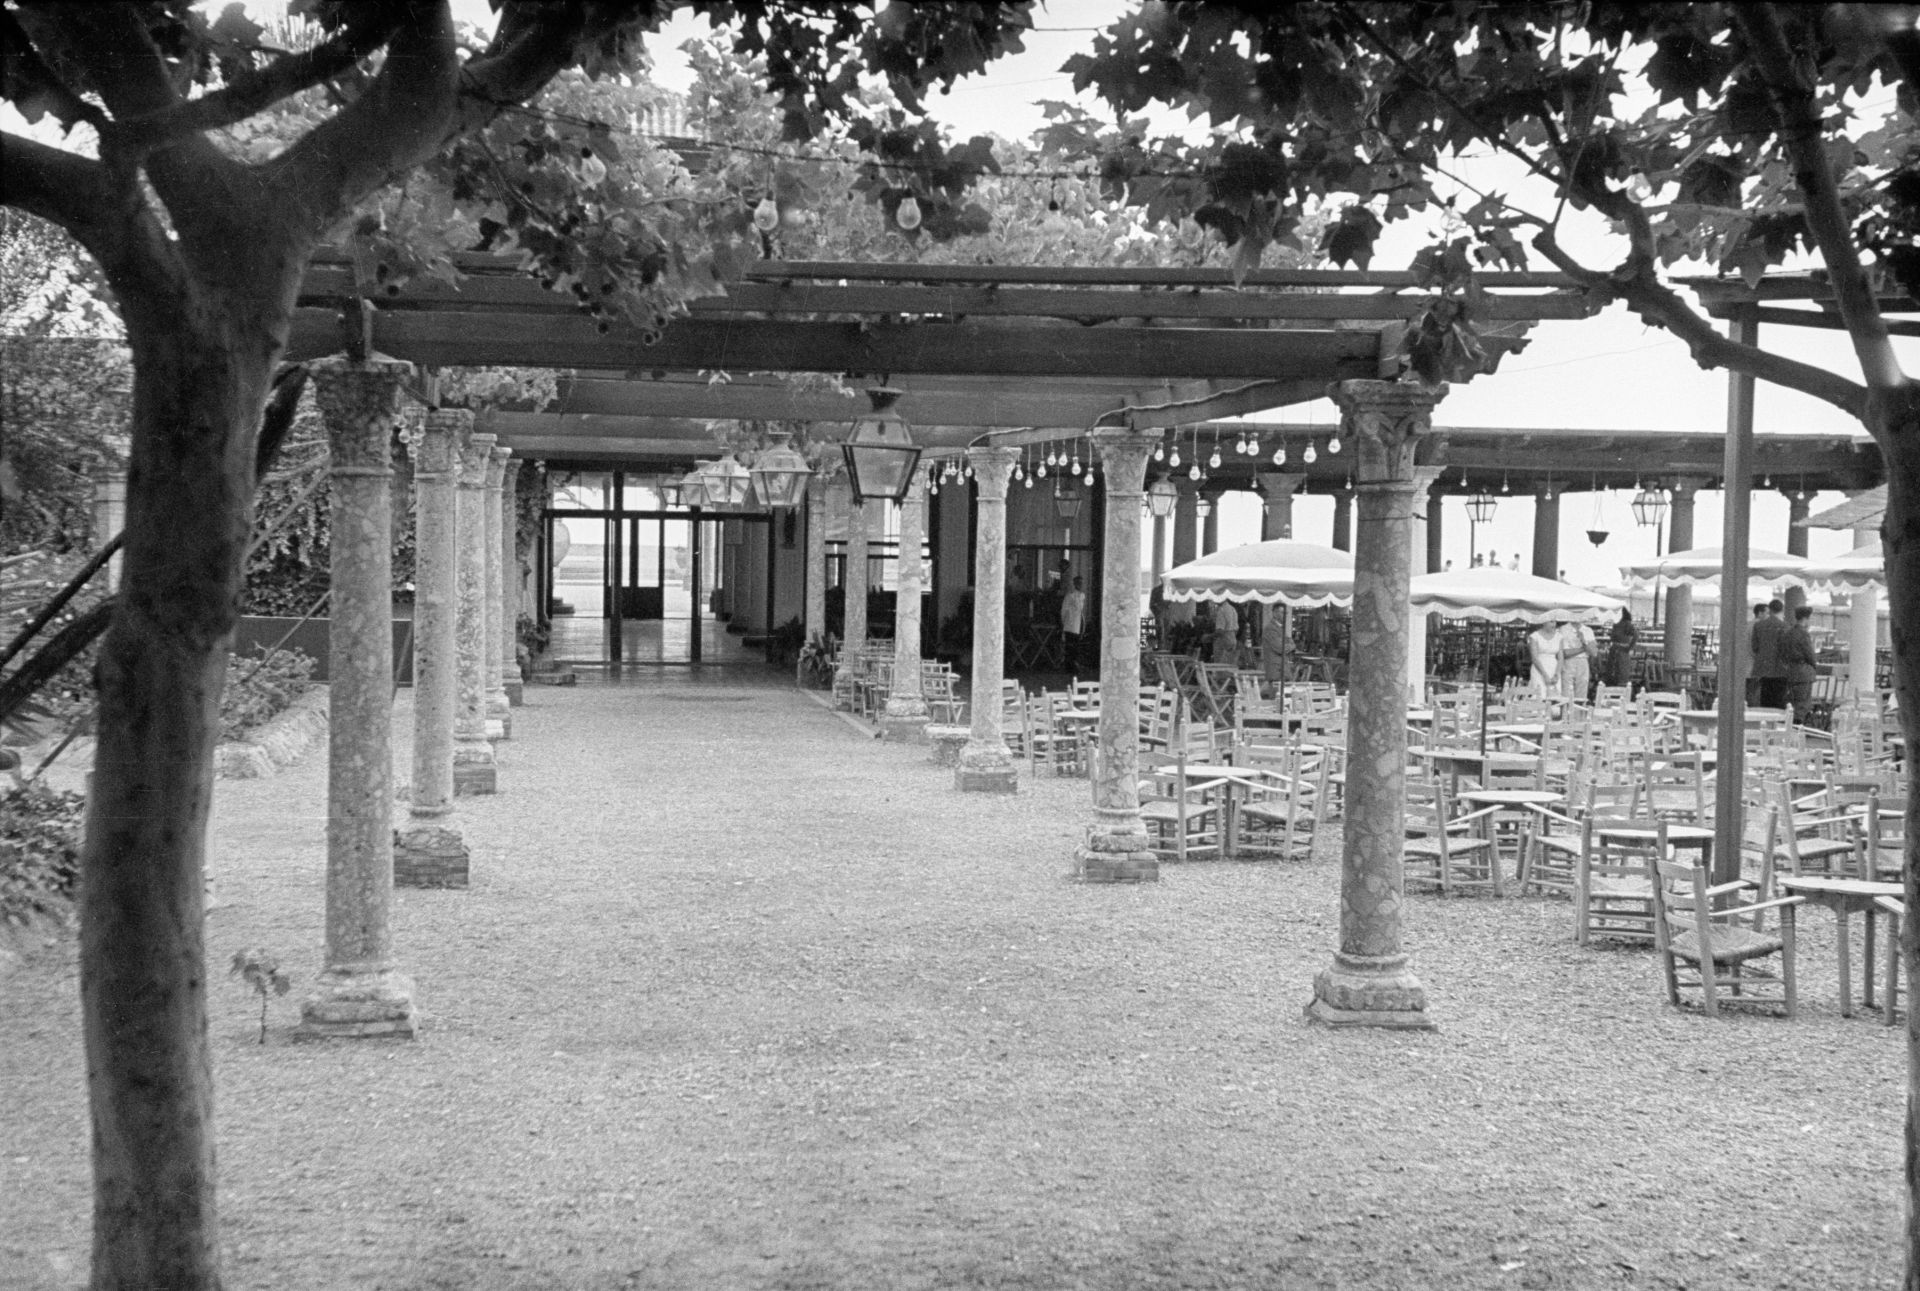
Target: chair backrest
x=1677, y=787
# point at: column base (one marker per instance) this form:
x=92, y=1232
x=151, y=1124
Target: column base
x=359, y=1006
x=947, y=743
x=904, y=728
x=429, y=856
x=985, y=769
x=516, y=693
x=1365, y=991
x=496, y=729
x=474, y=777
x=1116, y=858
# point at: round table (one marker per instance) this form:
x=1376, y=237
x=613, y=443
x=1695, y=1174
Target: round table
x=1510, y=802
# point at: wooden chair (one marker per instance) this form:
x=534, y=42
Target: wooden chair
x=1678, y=788
x=1613, y=881
x=1881, y=838
x=1440, y=853
x=1815, y=837
x=1709, y=939
x=1896, y=911
x=1550, y=852
x=1281, y=812
x=1048, y=743
x=1182, y=813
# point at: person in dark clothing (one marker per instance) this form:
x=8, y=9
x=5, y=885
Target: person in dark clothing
x=1620, y=642
x=1769, y=669
x=1796, y=652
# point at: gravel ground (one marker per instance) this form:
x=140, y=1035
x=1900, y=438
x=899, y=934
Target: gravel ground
x=740, y=998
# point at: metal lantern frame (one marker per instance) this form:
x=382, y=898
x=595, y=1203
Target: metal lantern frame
x=727, y=484
x=1649, y=507
x=1066, y=501
x=880, y=452
x=690, y=490
x=1163, y=497
x=1481, y=506
x=780, y=473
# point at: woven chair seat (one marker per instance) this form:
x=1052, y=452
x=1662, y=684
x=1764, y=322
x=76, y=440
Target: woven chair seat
x=1274, y=814
x=1161, y=809
x=1601, y=888
x=1730, y=945
x=1819, y=847
x=1455, y=846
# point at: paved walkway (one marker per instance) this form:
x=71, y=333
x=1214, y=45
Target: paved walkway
x=742, y=998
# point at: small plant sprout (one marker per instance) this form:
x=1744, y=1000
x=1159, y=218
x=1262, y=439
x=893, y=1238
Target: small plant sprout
x=261, y=971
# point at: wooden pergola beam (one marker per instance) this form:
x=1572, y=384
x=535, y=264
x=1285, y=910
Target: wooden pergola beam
x=453, y=339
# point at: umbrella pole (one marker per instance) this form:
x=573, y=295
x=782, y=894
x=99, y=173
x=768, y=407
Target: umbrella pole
x=1486, y=684
x=1286, y=629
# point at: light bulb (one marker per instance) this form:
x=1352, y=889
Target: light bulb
x=1193, y=472
x=1073, y=467
x=933, y=485
x=1175, y=459
x=1018, y=471
x=1213, y=463
x=1029, y=481
x=1087, y=479
x=766, y=216
x=908, y=214
x=1333, y=445
x=1308, y=455
x=1253, y=447
x=1280, y=455
x=1160, y=452
x=1043, y=470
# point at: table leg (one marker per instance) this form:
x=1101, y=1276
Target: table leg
x=1866, y=964
x=1846, y=965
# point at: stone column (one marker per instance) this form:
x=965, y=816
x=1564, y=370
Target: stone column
x=1117, y=848
x=1370, y=982
x=905, y=717
x=109, y=515
x=428, y=851
x=1797, y=505
x=1863, y=632
x=473, y=769
x=510, y=608
x=858, y=516
x=499, y=716
x=1343, y=520
x=1419, y=508
x=359, y=991
x=816, y=621
x=1279, y=488
x=985, y=765
x=1186, y=542
x=1546, y=533
x=1679, y=607
x=1436, y=534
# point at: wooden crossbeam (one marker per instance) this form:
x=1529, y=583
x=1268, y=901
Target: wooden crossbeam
x=1005, y=350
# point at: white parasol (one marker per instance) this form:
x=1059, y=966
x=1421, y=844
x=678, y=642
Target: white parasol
x=1506, y=596
x=1280, y=572
x=1702, y=565
x=1857, y=570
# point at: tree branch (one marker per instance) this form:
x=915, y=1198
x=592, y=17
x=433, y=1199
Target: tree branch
x=369, y=28
x=110, y=43
x=1826, y=218
x=60, y=187
x=532, y=45
x=1641, y=290
x=29, y=65
x=400, y=121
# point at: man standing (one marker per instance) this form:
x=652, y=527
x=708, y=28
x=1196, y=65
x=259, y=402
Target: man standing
x=1226, y=634
x=1578, y=649
x=1073, y=613
x=1796, y=651
x=1276, y=642
x=1769, y=667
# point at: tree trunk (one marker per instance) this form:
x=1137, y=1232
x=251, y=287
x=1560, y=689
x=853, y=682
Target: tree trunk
x=202, y=371
x=1900, y=538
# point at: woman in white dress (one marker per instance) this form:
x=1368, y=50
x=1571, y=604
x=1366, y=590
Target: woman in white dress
x=1543, y=647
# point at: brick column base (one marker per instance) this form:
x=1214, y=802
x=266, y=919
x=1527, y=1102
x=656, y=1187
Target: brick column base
x=429, y=856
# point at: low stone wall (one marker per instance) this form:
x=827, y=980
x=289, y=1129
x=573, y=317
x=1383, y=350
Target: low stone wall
x=279, y=743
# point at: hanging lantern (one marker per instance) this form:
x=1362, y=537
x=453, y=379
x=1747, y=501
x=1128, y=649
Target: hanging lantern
x=780, y=473
x=881, y=454
x=1649, y=507
x=1066, y=501
x=1163, y=497
x=1480, y=507
x=727, y=483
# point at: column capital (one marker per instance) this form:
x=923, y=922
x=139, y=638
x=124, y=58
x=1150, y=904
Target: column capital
x=1280, y=484
x=359, y=402
x=992, y=468
x=475, y=459
x=496, y=464
x=437, y=451
x=1123, y=460
x=1386, y=420
x=1424, y=478
x=1685, y=486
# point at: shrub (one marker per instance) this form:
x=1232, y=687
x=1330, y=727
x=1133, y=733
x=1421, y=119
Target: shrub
x=39, y=851
x=255, y=691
